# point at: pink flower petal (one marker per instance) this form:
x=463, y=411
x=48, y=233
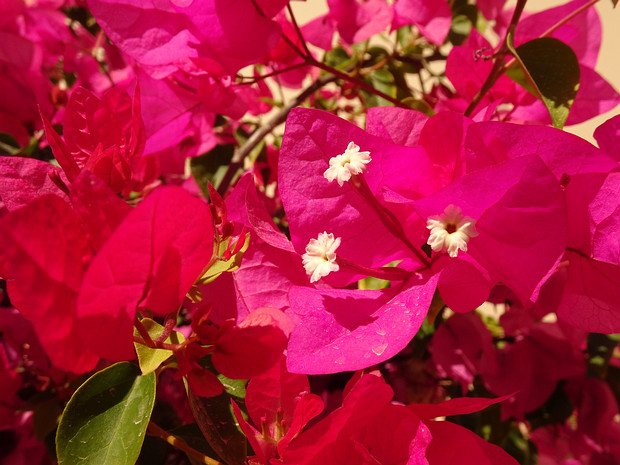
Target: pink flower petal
x=149, y=262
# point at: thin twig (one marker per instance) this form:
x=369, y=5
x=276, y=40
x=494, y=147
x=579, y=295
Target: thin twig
x=255, y=79
x=297, y=29
x=563, y=21
x=310, y=60
x=260, y=133
x=500, y=58
x=557, y=25
x=358, y=82
x=501, y=66
x=180, y=444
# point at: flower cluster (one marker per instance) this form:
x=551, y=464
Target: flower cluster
x=245, y=240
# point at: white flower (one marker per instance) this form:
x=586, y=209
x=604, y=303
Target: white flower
x=320, y=257
x=450, y=231
x=342, y=167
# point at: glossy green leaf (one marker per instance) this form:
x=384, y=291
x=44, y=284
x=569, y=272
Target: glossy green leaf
x=150, y=359
x=105, y=421
x=549, y=69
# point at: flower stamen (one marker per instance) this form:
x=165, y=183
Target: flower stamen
x=347, y=164
x=320, y=257
x=450, y=231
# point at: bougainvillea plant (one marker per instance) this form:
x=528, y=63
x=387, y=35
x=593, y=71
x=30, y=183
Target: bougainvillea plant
x=229, y=236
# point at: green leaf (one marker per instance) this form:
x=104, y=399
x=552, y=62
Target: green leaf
x=339, y=58
x=420, y=105
x=381, y=80
x=150, y=359
x=405, y=36
x=8, y=144
x=549, y=69
x=216, y=421
x=464, y=18
x=372, y=283
x=234, y=387
x=105, y=421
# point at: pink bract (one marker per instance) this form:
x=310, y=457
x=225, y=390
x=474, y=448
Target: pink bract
x=161, y=36
x=147, y=263
x=342, y=329
x=44, y=254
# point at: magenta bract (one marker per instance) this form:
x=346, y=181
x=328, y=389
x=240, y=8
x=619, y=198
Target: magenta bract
x=148, y=263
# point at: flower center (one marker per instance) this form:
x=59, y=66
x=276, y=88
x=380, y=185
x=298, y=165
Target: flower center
x=450, y=231
x=451, y=228
x=320, y=257
x=347, y=164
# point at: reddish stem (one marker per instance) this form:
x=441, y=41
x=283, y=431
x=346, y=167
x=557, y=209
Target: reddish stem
x=254, y=80
x=297, y=29
x=386, y=216
x=155, y=430
x=169, y=325
x=387, y=273
x=557, y=25
x=146, y=337
x=500, y=57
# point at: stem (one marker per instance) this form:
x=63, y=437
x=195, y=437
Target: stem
x=146, y=337
x=498, y=70
x=103, y=67
x=169, y=325
x=284, y=36
x=255, y=79
x=310, y=60
x=159, y=345
x=386, y=216
x=500, y=57
x=297, y=29
x=262, y=131
x=164, y=345
x=296, y=48
x=387, y=273
x=178, y=443
x=559, y=24
x=147, y=340
x=563, y=21
x=357, y=82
